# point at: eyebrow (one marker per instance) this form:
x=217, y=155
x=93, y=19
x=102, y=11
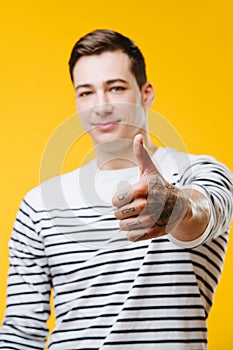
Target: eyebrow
x=83, y=86
x=108, y=82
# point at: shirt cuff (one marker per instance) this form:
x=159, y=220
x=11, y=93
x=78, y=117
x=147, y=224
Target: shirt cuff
x=196, y=242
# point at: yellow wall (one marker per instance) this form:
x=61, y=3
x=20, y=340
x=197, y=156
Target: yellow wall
x=188, y=47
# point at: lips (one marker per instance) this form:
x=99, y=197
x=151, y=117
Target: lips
x=106, y=126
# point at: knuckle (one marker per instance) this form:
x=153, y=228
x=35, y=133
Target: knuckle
x=141, y=205
x=122, y=225
x=133, y=236
x=117, y=214
x=140, y=190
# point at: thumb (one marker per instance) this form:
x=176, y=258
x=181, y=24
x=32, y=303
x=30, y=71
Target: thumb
x=144, y=161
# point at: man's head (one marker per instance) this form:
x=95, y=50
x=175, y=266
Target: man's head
x=99, y=41
x=111, y=89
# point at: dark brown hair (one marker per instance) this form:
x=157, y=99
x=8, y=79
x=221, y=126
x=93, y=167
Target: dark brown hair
x=102, y=40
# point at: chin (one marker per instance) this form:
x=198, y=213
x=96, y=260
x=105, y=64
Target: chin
x=113, y=143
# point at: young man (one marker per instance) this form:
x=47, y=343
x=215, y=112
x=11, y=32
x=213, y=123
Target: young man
x=131, y=266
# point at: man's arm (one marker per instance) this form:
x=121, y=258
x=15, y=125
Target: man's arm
x=153, y=207
x=28, y=293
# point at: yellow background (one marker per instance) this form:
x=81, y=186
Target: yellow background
x=188, y=49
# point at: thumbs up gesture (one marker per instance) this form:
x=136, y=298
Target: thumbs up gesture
x=152, y=207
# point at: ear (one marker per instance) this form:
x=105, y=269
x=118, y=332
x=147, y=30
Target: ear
x=148, y=95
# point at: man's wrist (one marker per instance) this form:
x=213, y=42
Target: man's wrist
x=196, y=216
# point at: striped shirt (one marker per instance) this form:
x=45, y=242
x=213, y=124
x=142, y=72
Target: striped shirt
x=110, y=293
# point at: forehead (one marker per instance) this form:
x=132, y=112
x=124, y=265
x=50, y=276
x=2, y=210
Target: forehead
x=108, y=65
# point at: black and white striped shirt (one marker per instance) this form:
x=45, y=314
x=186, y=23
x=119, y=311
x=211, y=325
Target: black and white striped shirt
x=110, y=293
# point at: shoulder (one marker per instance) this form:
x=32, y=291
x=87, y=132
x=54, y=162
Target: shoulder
x=59, y=191
x=182, y=160
x=185, y=165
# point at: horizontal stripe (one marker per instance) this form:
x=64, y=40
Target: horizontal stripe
x=109, y=292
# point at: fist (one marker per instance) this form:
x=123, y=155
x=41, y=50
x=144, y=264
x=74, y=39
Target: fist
x=152, y=207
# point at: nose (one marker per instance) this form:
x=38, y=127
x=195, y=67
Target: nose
x=103, y=108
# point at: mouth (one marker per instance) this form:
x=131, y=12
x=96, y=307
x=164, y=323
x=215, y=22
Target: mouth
x=106, y=126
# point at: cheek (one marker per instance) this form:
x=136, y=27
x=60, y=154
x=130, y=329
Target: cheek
x=80, y=106
x=134, y=98
x=84, y=104
x=84, y=124
x=134, y=115
x=84, y=117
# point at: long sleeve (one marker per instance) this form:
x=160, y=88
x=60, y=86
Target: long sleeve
x=215, y=181
x=28, y=293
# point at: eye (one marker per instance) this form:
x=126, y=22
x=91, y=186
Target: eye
x=117, y=88
x=84, y=93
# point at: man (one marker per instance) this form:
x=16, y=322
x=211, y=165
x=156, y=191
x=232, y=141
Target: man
x=142, y=274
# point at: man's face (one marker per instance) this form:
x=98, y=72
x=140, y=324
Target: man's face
x=108, y=99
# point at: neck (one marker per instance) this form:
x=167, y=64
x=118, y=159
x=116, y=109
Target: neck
x=119, y=154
